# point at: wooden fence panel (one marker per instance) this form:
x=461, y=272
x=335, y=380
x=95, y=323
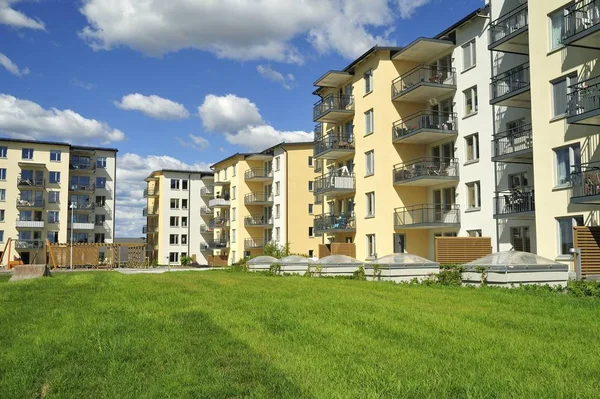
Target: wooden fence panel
x=337, y=248
x=217, y=260
x=461, y=250
x=587, y=240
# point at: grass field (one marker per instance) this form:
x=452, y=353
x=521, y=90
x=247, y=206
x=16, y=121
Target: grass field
x=224, y=335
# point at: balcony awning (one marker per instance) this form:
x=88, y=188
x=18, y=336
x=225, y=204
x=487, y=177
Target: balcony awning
x=32, y=165
x=423, y=49
x=333, y=79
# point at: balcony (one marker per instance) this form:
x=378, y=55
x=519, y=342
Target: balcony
x=335, y=184
x=150, y=229
x=258, y=174
x=425, y=127
x=254, y=243
x=333, y=109
x=207, y=191
x=217, y=243
x=207, y=228
x=220, y=222
x=514, y=204
x=220, y=202
x=512, y=88
x=29, y=244
x=31, y=203
x=144, y=229
x=30, y=182
x=151, y=192
x=581, y=25
x=258, y=221
x=427, y=216
x=82, y=226
x=342, y=223
x=334, y=146
x=423, y=83
x=89, y=167
x=206, y=211
x=149, y=212
x=425, y=172
x=513, y=145
x=258, y=199
x=510, y=32
x=585, y=184
x=583, y=103
x=90, y=188
x=29, y=223
x=82, y=207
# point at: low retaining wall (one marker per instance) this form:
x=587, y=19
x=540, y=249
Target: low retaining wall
x=402, y=274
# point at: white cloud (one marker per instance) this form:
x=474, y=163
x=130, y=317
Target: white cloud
x=196, y=142
x=269, y=73
x=240, y=121
x=228, y=113
x=12, y=67
x=26, y=119
x=242, y=29
x=84, y=85
x=132, y=169
x=16, y=19
x=153, y=106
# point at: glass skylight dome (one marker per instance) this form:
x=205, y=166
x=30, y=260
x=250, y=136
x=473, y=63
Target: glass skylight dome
x=404, y=259
x=338, y=260
x=515, y=260
x=296, y=259
x=261, y=260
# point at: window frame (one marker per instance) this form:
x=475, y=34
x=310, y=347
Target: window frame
x=574, y=219
x=3, y=151
x=370, y=204
x=55, y=174
x=371, y=246
x=476, y=186
x=561, y=13
x=569, y=80
x=471, y=48
x=368, y=78
x=369, y=122
x=27, y=151
x=370, y=164
x=175, y=184
x=57, y=154
x=471, y=94
x=572, y=161
x=475, y=138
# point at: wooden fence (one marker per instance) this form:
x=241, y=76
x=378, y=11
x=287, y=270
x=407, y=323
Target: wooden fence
x=337, y=248
x=217, y=260
x=587, y=240
x=461, y=249
x=105, y=255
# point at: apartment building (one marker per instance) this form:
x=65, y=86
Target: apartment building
x=55, y=191
x=177, y=218
x=431, y=95
x=264, y=197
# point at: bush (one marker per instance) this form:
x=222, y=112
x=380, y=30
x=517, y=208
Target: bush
x=185, y=260
x=359, y=274
x=275, y=250
x=584, y=288
x=376, y=271
x=450, y=276
x=275, y=269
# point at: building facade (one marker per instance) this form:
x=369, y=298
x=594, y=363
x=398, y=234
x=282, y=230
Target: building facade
x=55, y=191
x=178, y=223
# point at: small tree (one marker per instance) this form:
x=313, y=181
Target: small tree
x=275, y=250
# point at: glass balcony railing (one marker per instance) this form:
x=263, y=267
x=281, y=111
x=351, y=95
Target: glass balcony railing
x=511, y=23
x=30, y=182
x=29, y=244
x=150, y=192
x=581, y=17
x=30, y=203
x=512, y=141
x=424, y=121
x=514, y=202
x=436, y=168
x=82, y=166
x=335, y=181
x=258, y=174
x=250, y=243
x=207, y=191
x=344, y=222
x=427, y=216
x=513, y=81
x=258, y=198
x=343, y=105
x=258, y=221
x=423, y=75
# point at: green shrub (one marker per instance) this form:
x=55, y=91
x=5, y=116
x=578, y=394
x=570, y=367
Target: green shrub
x=359, y=274
x=275, y=250
x=584, y=288
x=185, y=260
x=376, y=271
x=450, y=276
x=275, y=269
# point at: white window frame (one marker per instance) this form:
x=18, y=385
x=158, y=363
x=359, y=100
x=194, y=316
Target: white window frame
x=277, y=187
x=277, y=234
x=569, y=80
x=476, y=186
x=370, y=163
x=371, y=245
x=551, y=19
x=3, y=174
x=174, y=219
x=186, y=183
x=310, y=162
x=27, y=153
x=474, y=233
x=173, y=239
x=2, y=194
x=54, y=177
x=233, y=235
x=471, y=93
x=475, y=153
x=175, y=184
x=101, y=162
x=370, y=204
x=174, y=201
x=574, y=223
x=56, y=154
x=311, y=231
x=369, y=122
x=3, y=151
x=572, y=161
x=310, y=185
x=277, y=163
x=368, y=77
x=277, y=211
x=470, y=49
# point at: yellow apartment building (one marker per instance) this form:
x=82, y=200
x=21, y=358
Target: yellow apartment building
x=264, y=197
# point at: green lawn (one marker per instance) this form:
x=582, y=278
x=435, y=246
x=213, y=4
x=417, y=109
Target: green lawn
x=224, y=335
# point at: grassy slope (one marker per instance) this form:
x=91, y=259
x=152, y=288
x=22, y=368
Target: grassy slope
x=219, y=334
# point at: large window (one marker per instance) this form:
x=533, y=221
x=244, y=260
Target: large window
x=472, y=144
x=471, y=104
x=52, y=216
x=469, y=55
x=277, y=187
x=565, y=158
x=101, y=162
x=565, y=233
x=474, y=195
x=370, y=197
x=277, y=211
x=371, y=246
x=369, y=163
x=556, y=28
x=369, y=123
x=277, y=163
x=560, y=89
x=100, y=182
x=368, y=77
x=184, y=184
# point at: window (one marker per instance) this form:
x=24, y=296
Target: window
x=101, y=162
x=53, y=236
x=233, y=191
x=174, y=203
x=2, y=214
x=311, y=253
x=370, y=204
x=277, y=188
x=369, y=127
x=2, y=194
x=225, y=174
x=471, y=105
x=519, y=239
x=310, y=209
x=100, y=182
x=27, y=153
x=1, y=235
x=3, y=151
x=52, y=216
x=474, y=233
x=100, y=200
x=469, y=55
x=184, y=184
x=311, y=231
x=54, y=177
x=173, y=257
x=233, y=234
x=556, y=28
x=368, y=77
x=184, y=221
x=55, y=155
x=173, y=239
x=472, y=142
x=99, y=238
x=369, y=163
x=174, y=184
x=2, y=174
x=310, y=162
x=233, y=214
x=99, y=220
x=54, y=197
x=518, y=180
x=184, y=204
x=474, y=195
x=174, y=221
x=234, y=169
x=565, y=158
x=371, y=246
x=277, y=163
x=277, y=209
x=310, y=185
x=184, y=239
x=565, y=233
x=277, y=234
x=560, y=89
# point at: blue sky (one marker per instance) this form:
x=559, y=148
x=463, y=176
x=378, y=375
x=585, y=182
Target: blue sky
x=249, y=66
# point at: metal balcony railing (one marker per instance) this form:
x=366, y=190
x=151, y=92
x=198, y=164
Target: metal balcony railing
x=514, y=201
x=585, y=180
x=30, y=182
x=339, y=222
x=207, y=191
x=509, y=23
x=220, y=221
x=334, y=141
x=149, y=212
x=250, y=243
x=512, y=141
x=510, y=81
x=257, y=173
x=332, y=103
x=335, y=181
x=82, y=166
x=258, y=221
x=83, y=206
x=426, y=167
x=427, y=214
x=150, y=192
x=424, y=120
x=257, y=198
x=318, y=131
x=205, y=210
x=83, y=187
x=584, y=97
x=579, y=17
x=429, y=74
x=31, y=203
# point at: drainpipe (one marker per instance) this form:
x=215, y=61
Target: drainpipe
x=189, y=223
x=495, y=164
x=114, y=211
x=287, y=196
